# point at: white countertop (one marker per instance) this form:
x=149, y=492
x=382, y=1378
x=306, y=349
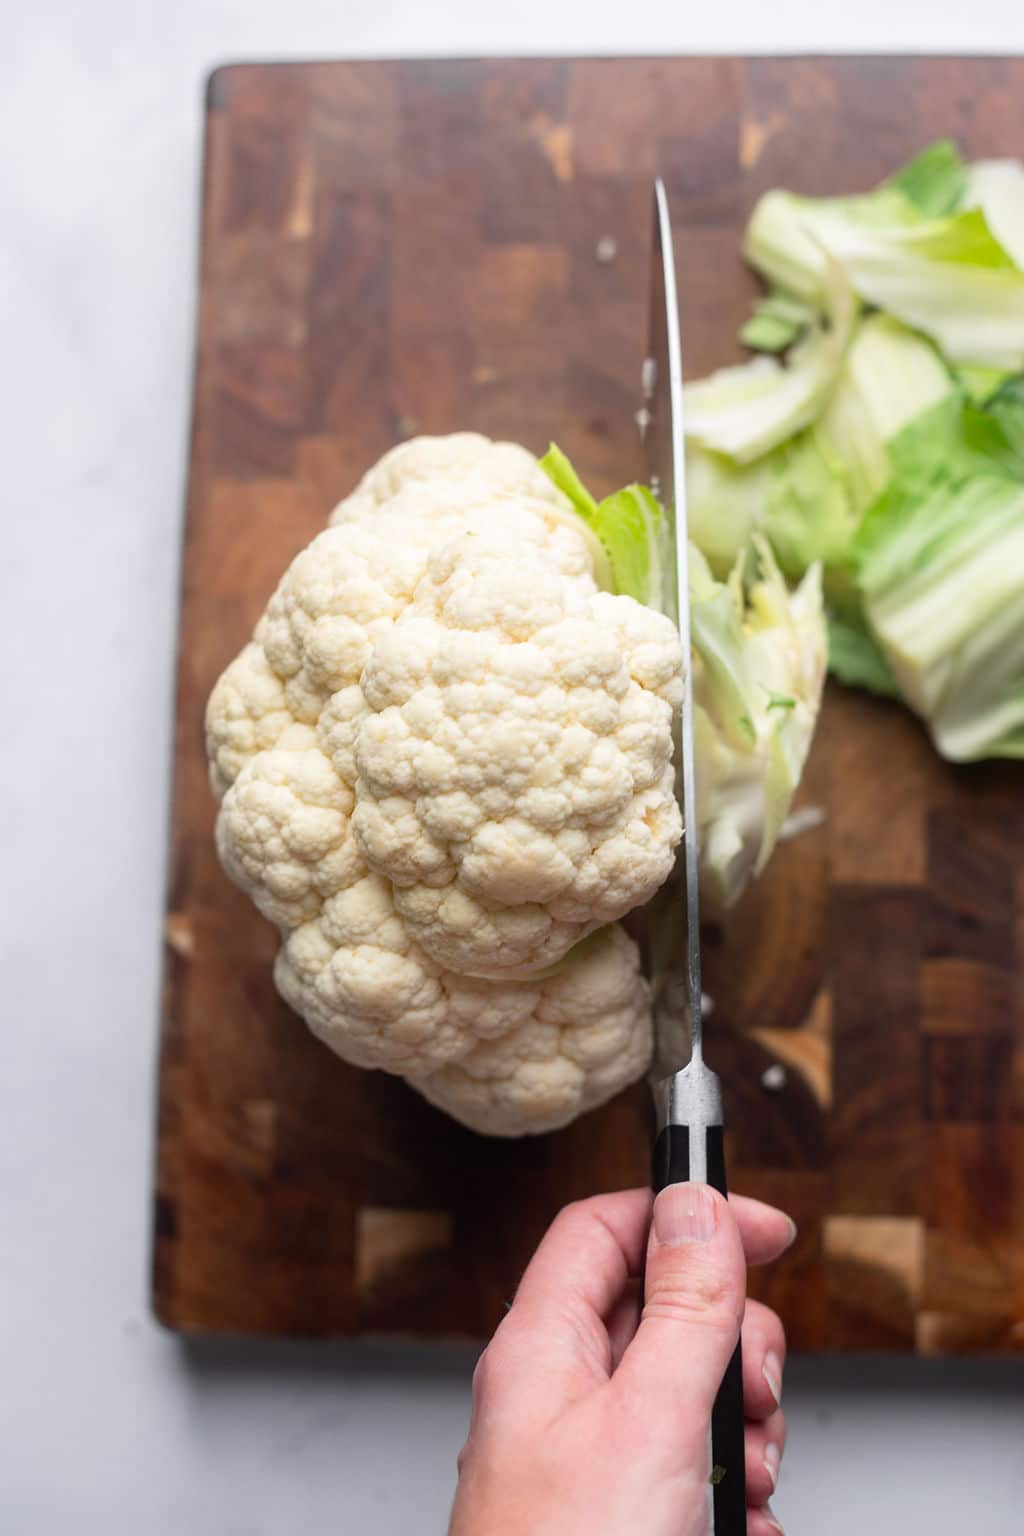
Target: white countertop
x=107, y=1424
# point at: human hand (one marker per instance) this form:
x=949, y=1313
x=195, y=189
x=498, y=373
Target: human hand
x=589, y=1420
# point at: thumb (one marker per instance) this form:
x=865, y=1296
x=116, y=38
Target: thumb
x=694, y=1289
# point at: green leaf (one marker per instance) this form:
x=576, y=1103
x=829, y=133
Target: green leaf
x=759, y=661
x=896, y=373
x=628, y=525
x=809, y=515
x=951, y=441
x=558, y=468
x=997, y=188
x=855, y=659
x=809, y=494
x=776, y=323
x=745, y=411
x=947, y=276
x=725, y=504
x=766, y=332
x=1008, y=409
x=783, y=241
x=980, y=384
x=963, y=239
x=991, y=438
x=934, y=180
x=716, y=628
x=904, y=473
x=950, y=279
x=941, y=571
x=890, y=376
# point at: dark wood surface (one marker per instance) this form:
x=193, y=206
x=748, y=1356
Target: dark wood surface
x=399, y=248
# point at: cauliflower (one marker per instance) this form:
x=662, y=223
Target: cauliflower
x=444, y=761
x=444, y=768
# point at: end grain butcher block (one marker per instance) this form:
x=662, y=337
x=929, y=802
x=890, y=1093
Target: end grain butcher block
x=399, y=248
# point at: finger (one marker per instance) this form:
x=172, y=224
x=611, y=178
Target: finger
x=765, y=1444
x=589, y=1252
x=694, y=1287
x=766, y=1232
x=554, y=1337
x=762, y=1522
x=578, y=1273
x=764, y=1339
x=764, y=1359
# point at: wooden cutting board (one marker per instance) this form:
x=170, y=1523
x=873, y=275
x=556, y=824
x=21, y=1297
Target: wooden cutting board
x=398, y=248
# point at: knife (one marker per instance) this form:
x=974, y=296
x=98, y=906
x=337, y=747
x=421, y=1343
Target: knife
x=688, y=1095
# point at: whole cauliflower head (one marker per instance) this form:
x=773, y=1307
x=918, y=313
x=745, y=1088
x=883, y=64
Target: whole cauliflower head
x=444, y=760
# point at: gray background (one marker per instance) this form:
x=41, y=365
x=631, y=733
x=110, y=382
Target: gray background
x=106, y=1424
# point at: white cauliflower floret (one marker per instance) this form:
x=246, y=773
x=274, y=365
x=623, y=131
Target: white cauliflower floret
x=365, y=988
x=587, y=1033
x=368, y=991
x=514, y=779
x=247, y=713
x=445, y=758
x=348, y=586
x=472, y=1045
x=283, y=833
x=461, y=458
x=465, y=482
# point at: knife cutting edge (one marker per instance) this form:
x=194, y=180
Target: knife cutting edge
x=688, y=1095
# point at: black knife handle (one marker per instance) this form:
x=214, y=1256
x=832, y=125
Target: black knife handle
x=728, y=1456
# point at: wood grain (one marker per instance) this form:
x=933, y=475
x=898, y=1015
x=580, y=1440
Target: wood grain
x=399, y=248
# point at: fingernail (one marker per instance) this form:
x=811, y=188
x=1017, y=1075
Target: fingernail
x=792, y=1231
x=771, y=1370
x=772, y=1520
x=685, y=1213
x=772, y=1457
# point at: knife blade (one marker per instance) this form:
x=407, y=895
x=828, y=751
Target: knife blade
x=688, y=1095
